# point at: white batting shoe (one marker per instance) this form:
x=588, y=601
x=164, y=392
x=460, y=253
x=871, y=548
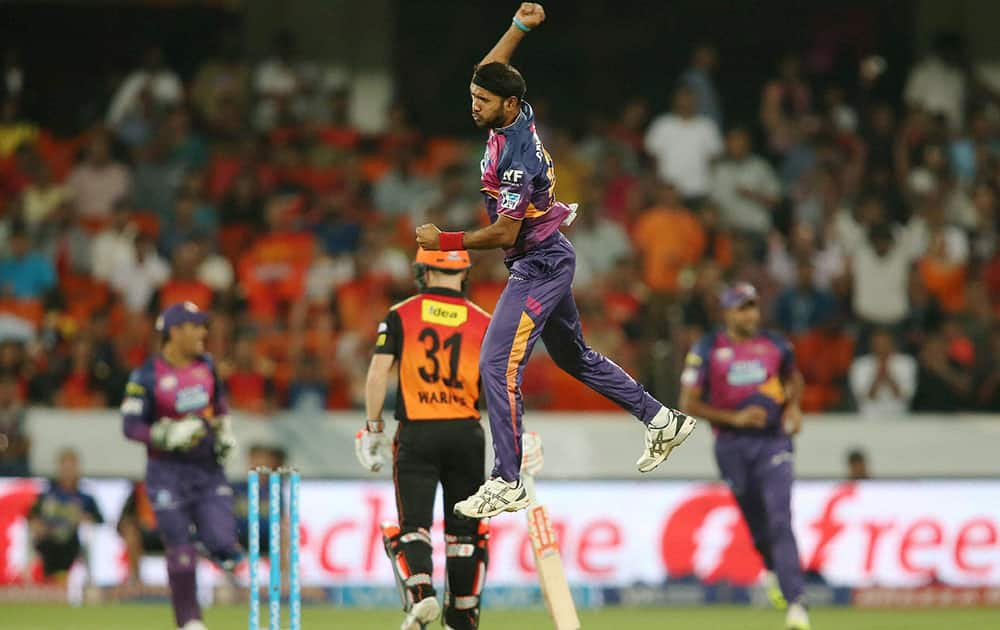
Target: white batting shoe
x=493, y=497
x=422, y=613
x=797, y=618
x=666, y=431
x=194, y=624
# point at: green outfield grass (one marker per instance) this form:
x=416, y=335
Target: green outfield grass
x=155, y=617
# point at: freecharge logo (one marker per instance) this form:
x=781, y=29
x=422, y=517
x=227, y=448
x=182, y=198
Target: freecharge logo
x=706, y=536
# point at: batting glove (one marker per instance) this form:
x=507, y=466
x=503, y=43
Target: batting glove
x=371, y=448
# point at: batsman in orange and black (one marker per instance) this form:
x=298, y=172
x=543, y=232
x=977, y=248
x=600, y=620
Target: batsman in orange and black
x=433, y=339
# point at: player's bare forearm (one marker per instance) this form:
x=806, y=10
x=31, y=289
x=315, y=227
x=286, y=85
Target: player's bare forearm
x=376, y=385
x=505, y=47
x=692, y=404
x=501, y=233
x=530, y=15
x=794, y=386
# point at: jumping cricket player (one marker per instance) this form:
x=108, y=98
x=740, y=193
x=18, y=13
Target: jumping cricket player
x=518, y=182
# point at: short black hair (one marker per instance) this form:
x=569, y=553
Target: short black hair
x=500, y=78
x=856, y=455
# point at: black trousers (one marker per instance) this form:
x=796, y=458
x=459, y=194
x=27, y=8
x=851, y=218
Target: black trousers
x=426, y=453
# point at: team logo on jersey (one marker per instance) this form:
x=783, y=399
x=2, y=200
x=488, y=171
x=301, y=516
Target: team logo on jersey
x=443, y=313
x=724, y=354
x=746, y=373
x=509, y=200
x=192, y=398
x=512, y=176
x=381, y=340
x=168, y=382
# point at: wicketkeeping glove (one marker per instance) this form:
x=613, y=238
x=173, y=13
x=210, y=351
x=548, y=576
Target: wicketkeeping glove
x=177, y=435
x=225, y=439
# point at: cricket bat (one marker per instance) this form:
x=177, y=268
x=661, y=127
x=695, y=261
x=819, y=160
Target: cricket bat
x=548, y=562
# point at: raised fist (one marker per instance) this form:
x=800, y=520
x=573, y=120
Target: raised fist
x=531, y=14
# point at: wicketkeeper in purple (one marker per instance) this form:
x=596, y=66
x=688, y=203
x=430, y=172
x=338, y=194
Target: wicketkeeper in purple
x=518, y=182
x=174, y=404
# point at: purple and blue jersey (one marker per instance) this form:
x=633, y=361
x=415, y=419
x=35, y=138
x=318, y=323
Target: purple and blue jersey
x=518, y=181
x=158, y=390
x=738, y=374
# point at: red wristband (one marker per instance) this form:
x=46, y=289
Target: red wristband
x=451, y=241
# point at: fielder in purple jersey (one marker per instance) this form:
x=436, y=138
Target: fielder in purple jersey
x=174, y=404
x=744, y=381
x=518, y=182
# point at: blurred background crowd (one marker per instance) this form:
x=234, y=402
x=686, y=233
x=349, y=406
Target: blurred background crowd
x=864, y=210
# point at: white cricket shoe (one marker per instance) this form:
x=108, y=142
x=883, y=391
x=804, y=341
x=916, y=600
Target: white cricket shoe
x=194, y=624
x=797, y=618
x=493, y=497
x=422, y=613
x=666, y=431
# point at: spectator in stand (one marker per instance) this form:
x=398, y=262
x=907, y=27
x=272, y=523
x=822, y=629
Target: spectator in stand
x=402, y=192
x=65, y=241
x=25, y=274
x=627, y=133
x=745, y=188
x=453, y=206
x=184, y=285
x=14, y=130
x=276, y=83
x=137, y=527
x=55, y=518
x=15, y=444
x=804, y=305
x=113, y=248
x=156, y=178
x=244, y=203
x=698, y=78
x=785, y=102
x=857, y=465
x=669, y=238
x=938, y=83
x=222, y=86
x=138, y=282
x=310, y=388
x=153, y=80
x=248, y=378
x=78, y=376
x=880, y=270
x=599, y=243
x=825, y=354
x=684, y=143
x=41, y=198
x=884, y=381
x=98, y=182
x=183, y=226
x=942, y=383
x=184, y=145
x=987, y=393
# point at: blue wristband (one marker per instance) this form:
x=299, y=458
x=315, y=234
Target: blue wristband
x=520, y=25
